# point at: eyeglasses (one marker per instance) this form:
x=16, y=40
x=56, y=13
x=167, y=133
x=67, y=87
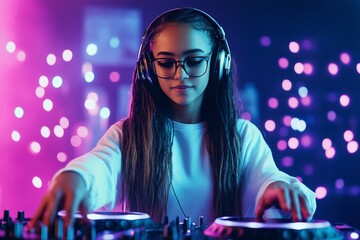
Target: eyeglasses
x=194, y=66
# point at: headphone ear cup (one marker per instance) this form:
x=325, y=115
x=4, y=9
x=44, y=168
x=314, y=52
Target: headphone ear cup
x=219, y=63
x=143, y=69
x=222, y=64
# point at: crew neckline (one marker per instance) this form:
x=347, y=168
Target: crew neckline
x=189, y=126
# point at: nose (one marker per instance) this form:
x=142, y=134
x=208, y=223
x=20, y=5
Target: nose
x=180, y=73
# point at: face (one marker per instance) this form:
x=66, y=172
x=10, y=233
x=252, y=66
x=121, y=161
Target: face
x=181, y=42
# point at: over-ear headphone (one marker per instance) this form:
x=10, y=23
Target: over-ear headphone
x=221, y=57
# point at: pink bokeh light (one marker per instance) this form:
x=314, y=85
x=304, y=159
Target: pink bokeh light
x=352, y=146
x=114, y=76
x=333, y=68
x=306, y=141
x=281, y=145
x=344, y=100
x=273, y=103
x=293, y=102
x=270, y=125
x=283, y=63
x=293, y=143
x=294, y=47
x=308, y=68
x=330, y=152
x=326, y=143
x=286, y=85
x=348, y=135
x=321, y=192
x=345, y=58
x=299, y=68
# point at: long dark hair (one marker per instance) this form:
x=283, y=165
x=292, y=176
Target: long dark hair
x=148, y=134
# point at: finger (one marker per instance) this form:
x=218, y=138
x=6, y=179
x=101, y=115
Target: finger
x=52, y=207
x=284, y=200
x=304, y=209
x=69, y=209
x=296, y=209
x=84, y=209
x=260, y=209
x=38, y=214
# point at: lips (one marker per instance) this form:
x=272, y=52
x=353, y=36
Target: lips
x=182, y=87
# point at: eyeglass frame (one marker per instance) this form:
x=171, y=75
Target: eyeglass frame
x=181, y=63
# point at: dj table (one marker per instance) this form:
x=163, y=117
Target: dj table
x=134, y=225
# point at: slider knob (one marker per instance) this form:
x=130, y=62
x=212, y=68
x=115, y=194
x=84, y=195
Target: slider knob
x=21, y=216
x=6, y=216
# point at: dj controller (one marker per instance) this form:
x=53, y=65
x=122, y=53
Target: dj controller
x=134, y=225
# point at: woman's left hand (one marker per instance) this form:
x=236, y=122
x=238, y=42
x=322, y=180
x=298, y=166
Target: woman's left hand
x=285, y=197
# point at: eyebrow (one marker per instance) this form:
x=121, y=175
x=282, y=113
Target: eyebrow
x=196, y=50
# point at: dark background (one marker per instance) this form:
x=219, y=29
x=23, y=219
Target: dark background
x=324, y=30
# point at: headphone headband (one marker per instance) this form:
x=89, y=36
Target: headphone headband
x=222, y=59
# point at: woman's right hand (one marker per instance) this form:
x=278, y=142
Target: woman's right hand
x=67, y=193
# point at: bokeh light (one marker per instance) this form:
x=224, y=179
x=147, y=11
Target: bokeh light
x=283, y=63
x=105, y=113
x=36, y=181
x=265, y=41
x=58, y=131
x=293, y=143
x=51, y=59
x=35, y=147
x=330, y=152
x=286, y=85
x=270, y=125
x=352, y=146
x=293, y=102
x=45, y=131
x=91, y=49
x=344, y=100
x=345, y=58
x=61, y=93
x=308, y=68
x=348, y=135
x=57, y=82
x=64, y=122
x=61, y=157
x=321, y=192
x=339, y=183
x=48, y=105
x=114, y=76
x=43, y=81
x=82, y=131
x=273, y=103
x=19, y=112
x=326, y=143
x=40, y=92
x=21, y=56
x=333, y=69
x=294, y=47
x=299, y=68
x=67, y=55
x=11, y=47
x=331, y=115
x=89, y=77
x=15, y=136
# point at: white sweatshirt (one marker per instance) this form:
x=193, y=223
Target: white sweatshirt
x=101, y=169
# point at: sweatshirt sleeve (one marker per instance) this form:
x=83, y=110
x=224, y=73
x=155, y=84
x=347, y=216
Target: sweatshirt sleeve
x=100, y=168
x=260, y=170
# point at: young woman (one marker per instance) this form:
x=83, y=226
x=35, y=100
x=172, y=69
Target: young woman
x=182, y=150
